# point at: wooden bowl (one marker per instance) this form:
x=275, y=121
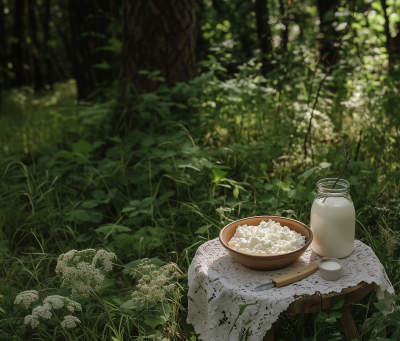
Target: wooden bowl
x=270, y=262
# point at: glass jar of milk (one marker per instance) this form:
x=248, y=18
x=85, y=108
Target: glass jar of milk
x=333, y=219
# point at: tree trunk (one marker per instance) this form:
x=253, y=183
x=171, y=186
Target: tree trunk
x=285, y=22
x=37, y=73
x=263, y=32
x=18, y=44
x=330, y=36
x=89, y=27
x=158, y=35
x=46, y=49
x=392, y=44
x=4, y=80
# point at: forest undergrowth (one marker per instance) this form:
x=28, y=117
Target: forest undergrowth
x=154, y=179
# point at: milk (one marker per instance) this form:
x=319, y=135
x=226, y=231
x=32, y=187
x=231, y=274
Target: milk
x=333, y=227
x=330, y=265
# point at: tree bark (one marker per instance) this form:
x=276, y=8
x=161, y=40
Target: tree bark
x=4, y=80
x=285, y=22
x=46, y=49
x=392, y=44
x=158, y=35
x=330, y=36
x=263, y=32
x=18, y=44
x=37, y=72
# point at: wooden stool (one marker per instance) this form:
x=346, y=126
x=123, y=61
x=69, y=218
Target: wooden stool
x=317, y=302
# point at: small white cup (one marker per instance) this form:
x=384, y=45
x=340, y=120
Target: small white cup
x=331, y=275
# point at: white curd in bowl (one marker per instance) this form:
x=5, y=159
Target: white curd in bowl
x=268, y=238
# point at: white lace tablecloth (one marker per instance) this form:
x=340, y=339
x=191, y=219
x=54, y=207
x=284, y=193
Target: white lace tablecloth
x=218, y=285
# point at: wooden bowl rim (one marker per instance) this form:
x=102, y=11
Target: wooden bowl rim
x=266, y=256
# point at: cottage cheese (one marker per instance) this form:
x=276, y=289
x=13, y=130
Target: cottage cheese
x=266, y=239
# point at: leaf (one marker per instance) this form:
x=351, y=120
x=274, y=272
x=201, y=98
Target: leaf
x=156, y=261
x=325, y=164
x=236, y=192
x=381, y=306
x=146, y=202
x=115, y=45
x=333, y=316
x=290, y=212
x=189, y=166
x=98, y=194
x=203, y=229
x=65, y=154
x=341, y=26
x=129, y=305
x=323, y=316
x=307, y=173
x=281, y=185
x=107, y=283
x=266, y=198
x=165, y=196
x=90, y=204
x=103, y=65
x=268, y=187
x=85, y=236
x=109, y=228
x=134, y=203
x=82, y=147
x=242, y=307
x=85, y=215
x=328, y=16
x=115, y=139
x=336, y=302
x=188, y=327
x=153, y=321
x=311, y=196
x=299, y=193
x=218, y=174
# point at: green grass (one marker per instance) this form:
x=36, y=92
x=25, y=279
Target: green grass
x=172, y=181
x=29, y=121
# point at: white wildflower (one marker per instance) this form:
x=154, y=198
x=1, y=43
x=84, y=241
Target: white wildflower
x=79, y=274
x=43, y=311
x=57, y=302
x=69, y=321
x=32, y=320
x=105, y=257
x=154, y=285
x=27, y=297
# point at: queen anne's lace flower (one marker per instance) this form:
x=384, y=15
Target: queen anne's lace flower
x=82, y=276
x=32, y=320
x=154, y=285
x=69, y=321
x=54, y=302
x=43, y=311
x=57, y=302
x=27, y=297
x=104, y=257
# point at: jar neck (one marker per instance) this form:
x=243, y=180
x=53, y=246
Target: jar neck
x=324, y=188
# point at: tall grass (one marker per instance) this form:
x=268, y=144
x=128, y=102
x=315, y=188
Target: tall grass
x=170, y=183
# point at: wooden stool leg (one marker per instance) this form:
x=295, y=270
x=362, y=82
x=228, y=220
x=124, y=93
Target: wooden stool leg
x=346, y=324
x=270, y=334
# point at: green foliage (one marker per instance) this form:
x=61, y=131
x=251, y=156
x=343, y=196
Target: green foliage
x=156, y=177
